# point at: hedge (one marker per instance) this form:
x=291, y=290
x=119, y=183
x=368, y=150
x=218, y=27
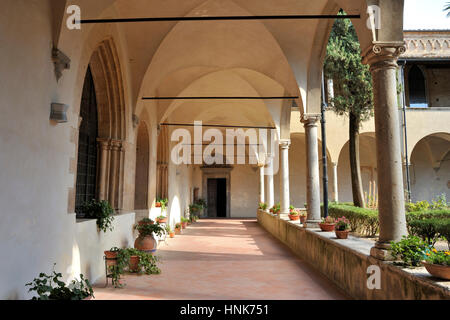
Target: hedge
x=431, y=229
x=365, y=221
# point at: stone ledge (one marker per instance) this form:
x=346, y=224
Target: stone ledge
x=345, y=262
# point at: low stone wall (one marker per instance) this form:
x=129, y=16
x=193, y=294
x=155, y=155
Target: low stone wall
x=88, y=250
x=345, y=262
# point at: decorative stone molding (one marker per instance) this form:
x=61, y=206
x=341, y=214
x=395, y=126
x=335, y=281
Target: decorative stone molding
x=427, y=44
x=136, y=121
x=61, y=62
x=382, y=55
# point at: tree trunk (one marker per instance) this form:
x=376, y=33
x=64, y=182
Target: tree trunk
x=355, y=168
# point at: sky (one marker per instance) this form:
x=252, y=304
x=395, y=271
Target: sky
x=425, y=14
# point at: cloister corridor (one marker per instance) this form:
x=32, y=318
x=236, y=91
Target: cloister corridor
x=230, y=259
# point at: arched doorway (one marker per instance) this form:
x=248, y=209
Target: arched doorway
x=142, y=168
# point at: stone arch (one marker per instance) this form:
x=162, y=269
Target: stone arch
x=430, y=167
x=142, y=175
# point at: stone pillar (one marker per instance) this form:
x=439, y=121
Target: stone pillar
x=312, y=167
x=284, y=176
x=261, y=182
x=382, y=58
x=270, y=187
x=104, y=148
x=335, y=183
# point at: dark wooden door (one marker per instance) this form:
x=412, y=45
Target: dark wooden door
x=212, y=197
x=217, y=198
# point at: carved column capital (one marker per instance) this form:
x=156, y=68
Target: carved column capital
x=383, y=55
x=310, y=119
x=285, y=144
x=104, y=144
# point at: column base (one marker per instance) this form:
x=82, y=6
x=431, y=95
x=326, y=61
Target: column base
x=381, y=251
x=312, y=224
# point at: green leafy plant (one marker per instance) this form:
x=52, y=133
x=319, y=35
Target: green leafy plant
x=410, y=250
x=148, y=229
x=263, y=206
x=426, y=229
x=178, y=226
x=147, y=264
x=328, y=220
x=184, y=220
x=342, y=224
x=418, y=206
x=276, y=208
x=100, y=210
x=50, y=287
x=440, y=202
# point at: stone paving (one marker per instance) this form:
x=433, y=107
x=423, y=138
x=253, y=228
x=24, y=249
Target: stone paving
x=225, y=260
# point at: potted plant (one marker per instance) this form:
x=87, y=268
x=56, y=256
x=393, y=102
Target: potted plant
x=184, y=222
x=158, y=204
x=178, y=228
x=294, y=214
x=327, y=224
x=146, y=221
x=342, y=228
x=303, y=216
x=437, y=263
x=276, y=209
x=111, y=256
x=100, y=210
x=263, y=206
x=169, y=231
x=161, y=219
x=50, y=287
x=146, y=241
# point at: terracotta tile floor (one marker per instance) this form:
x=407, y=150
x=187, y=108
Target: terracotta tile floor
x=225, y=260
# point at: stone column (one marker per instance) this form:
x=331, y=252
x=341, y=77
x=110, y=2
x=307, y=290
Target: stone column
x=104, y=148
x=116, y=146
x=284, y=176
x=270, y=187
x=261, y=182
x=335, y=183
x=312, y=167
x=382, y=58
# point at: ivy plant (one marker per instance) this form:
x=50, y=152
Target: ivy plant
x=102, y=211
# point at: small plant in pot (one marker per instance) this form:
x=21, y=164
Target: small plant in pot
x=294, y=214
x=263, y=206
x=327, y=224
x=342, y=228
x=111, y=256
x=146, y=241
x=178, y=228
x=184, y=222
x=161, y=219
x=437, y=263
x=146, y=221
x=276, y=209
x=50, y=287
x=170, y=232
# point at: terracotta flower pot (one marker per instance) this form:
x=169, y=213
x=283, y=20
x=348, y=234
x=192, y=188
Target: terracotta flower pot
x=172, y=234
x=158, y=204
x=161, y=220
x=177, y=230
x=438, y=271
x=111, y=258
x=146, y=244
x=134, y=264
x=326, y=227
x=184, y=225
x=342, y=234
x=303, y=219
x=294, y=218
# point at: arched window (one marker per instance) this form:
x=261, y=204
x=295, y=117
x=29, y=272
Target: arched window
x=417, y=88
x=87, y=145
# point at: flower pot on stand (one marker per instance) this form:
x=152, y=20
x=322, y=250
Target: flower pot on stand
x=342, y=234
x=327, y=227
x=160, y=220
x=437, y=270
x=111, y=258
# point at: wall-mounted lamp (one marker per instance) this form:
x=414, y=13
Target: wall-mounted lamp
x=58, y=112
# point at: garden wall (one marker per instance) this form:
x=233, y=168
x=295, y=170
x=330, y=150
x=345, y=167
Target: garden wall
x=345, y=262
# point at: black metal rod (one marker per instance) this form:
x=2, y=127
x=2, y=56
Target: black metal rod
x=219, y=98
x=219, y=18
x=214, y=125
x=324, y=150
x=405, y=132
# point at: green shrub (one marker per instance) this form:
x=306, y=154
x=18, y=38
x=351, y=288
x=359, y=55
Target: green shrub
x=425, y=229
x=418, y=206
x=443, y=228
x=411, y=250
x=362, y=221
x=102, y=211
